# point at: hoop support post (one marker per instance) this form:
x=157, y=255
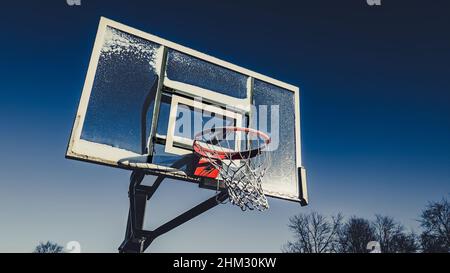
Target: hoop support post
x=137, y=240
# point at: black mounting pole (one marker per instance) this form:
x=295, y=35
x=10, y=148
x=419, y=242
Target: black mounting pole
x=137, y=240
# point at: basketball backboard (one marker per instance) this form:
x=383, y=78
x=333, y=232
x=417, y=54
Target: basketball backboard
x=145, y=98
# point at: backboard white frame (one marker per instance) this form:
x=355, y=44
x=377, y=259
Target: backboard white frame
x=87, y=151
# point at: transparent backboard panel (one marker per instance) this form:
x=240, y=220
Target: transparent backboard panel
x=281, y=178
x=187, y=69
x=125, y=75
x=125, y=87
x=160, y=157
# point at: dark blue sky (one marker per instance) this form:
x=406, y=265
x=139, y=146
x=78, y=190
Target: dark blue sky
x=375, y=104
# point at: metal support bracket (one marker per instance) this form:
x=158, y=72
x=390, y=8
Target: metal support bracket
x=137, y=240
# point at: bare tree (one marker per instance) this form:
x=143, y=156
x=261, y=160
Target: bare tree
x=392, y=237
x=354, y=236
x=385, y=230
x=48, y=247
x=314, y=233
x=435, y=220
x=406, y=243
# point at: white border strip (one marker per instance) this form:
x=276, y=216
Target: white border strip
x=173, y=139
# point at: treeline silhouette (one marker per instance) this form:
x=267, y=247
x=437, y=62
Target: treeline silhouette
x=48, y=247
x=316, y=233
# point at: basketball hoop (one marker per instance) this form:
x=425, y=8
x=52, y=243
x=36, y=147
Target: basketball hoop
x=241, y=158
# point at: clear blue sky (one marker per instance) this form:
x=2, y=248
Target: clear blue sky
x=375, y=115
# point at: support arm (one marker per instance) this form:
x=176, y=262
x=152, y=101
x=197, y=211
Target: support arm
x=137, y=239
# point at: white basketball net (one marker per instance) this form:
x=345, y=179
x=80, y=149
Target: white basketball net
x=241, y=156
